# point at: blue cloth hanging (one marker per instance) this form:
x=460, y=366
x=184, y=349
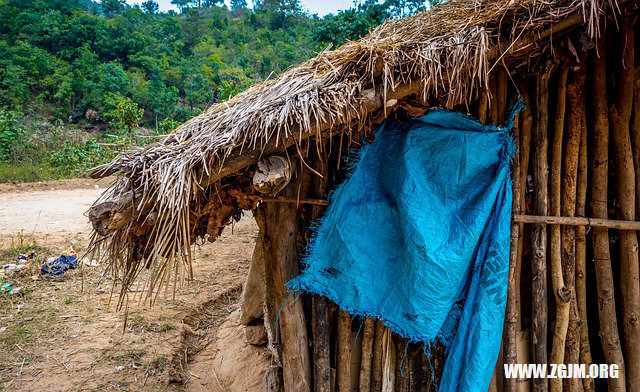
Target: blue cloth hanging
x=418, y=236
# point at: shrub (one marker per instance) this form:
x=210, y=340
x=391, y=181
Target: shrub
x=11, y=136
x=126, y=115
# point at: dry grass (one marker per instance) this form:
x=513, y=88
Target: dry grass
x=446, y=50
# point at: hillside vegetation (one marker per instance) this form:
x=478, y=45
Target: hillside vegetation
x=81, y=80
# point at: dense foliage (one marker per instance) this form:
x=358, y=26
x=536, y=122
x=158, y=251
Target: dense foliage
x=111, y=68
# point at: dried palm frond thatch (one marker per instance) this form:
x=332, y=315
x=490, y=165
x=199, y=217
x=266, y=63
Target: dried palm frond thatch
x=447, y=53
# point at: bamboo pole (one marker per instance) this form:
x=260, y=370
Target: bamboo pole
x=581, y=254
x=559, y=289
x=539, y=233
x=513, y=292
x=367, y=350
x=620, y=115
x=599, y=208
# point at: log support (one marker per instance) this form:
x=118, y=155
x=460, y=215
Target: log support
x=281, y=260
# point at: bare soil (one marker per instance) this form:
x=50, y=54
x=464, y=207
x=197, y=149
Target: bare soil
x=65, y=334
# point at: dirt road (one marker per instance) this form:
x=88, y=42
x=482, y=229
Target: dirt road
x=46, y=211
x=64, y=334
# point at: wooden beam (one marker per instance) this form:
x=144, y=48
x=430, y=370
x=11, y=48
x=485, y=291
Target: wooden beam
x=579, y=221
x=317, y=202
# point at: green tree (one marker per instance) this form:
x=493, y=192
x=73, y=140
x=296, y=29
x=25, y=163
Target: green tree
x=162, y=99
x=11, y=135
x=150, y=7
x=351, y=24
x=126, y=115
x=181, y=4
x=237, y=4
x=193, y=28
x=211, y=3
x=111, y=8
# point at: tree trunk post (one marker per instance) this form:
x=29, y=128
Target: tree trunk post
x=575, y=96
x=281, y=259
x=599, y=209
x=539, y=233
x=620, y=116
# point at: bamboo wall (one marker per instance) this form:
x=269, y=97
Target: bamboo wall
x=574, y=288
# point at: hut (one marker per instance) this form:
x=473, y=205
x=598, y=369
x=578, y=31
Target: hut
x=278, y=149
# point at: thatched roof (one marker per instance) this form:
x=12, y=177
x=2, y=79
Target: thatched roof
x=447, y=53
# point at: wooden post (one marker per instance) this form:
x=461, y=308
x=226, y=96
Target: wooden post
x=319, y=304
x=501, y=95
x=561, y=296
x=599, y=209
x=281, y=259
x=345, y=344
x=581, y=253
x=539, y=233
x=389, y=358
x=513, y=292
x=321, y=358
x=367, y=354
x=270, y=309
x=417, y=376
x=377, y=360
x=620, y=116
x=635, y=132
x=402, y=367
x=483, y=103
x=575, y=117
x=493, y=92
x=524, y=147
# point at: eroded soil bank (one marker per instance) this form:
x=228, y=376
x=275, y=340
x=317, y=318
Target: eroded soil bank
x=65, y=334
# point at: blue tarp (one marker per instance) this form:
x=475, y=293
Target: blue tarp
x=418, y=236
x=58, y=266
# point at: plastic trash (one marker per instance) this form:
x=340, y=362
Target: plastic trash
x=59, y=266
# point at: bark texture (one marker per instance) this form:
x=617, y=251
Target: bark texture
x=620, y=116
x=539, y=233
x=575, y=96
x=281, y=259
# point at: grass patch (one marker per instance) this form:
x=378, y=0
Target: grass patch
x=31, y=324
x=22, y=244
x=15, y=172
x=132, y=357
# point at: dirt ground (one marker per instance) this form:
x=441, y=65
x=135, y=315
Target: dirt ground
x=63, y=334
